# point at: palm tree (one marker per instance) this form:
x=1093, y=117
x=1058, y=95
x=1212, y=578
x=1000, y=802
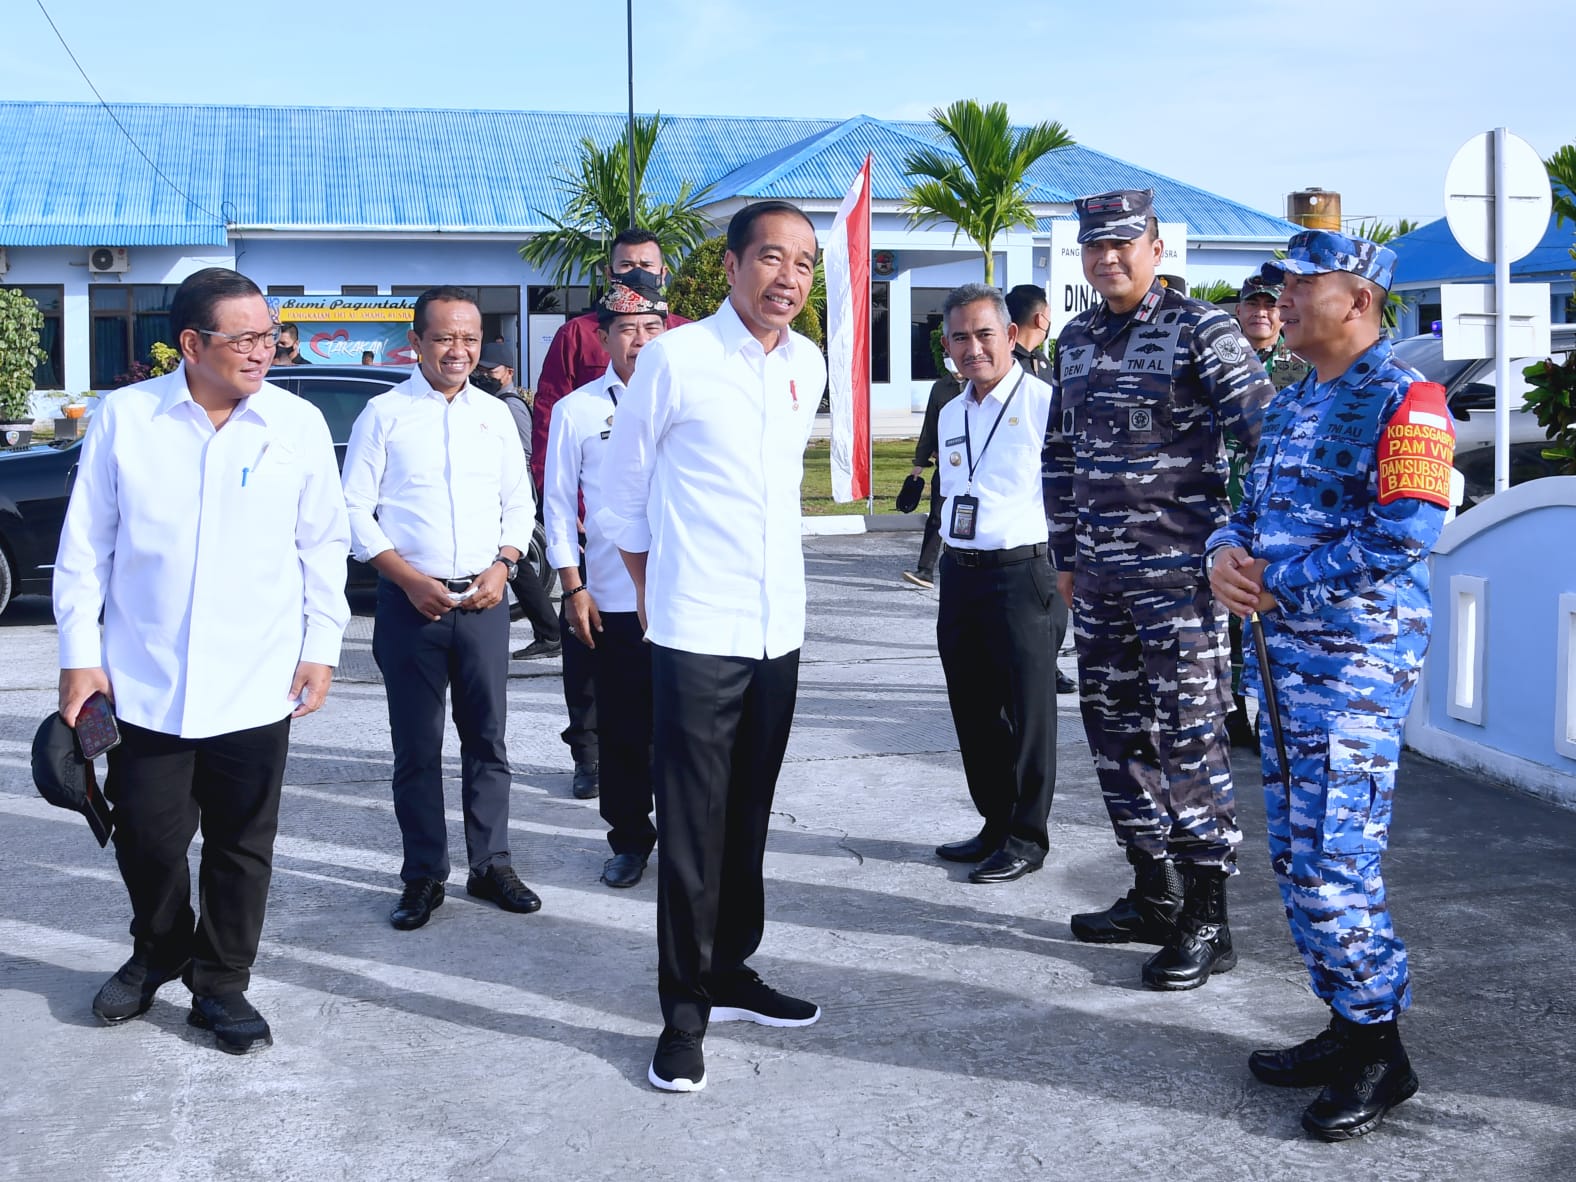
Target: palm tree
x=980, y=190
x=1382, y=232
x=1562, y=175
x=596, y=209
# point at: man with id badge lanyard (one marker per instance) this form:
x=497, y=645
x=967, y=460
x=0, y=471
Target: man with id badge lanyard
x=994, y=629
x=206, y=521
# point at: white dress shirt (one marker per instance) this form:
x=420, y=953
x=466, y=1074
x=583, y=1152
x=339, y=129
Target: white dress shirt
x=442, y=482
x=703, y=471
x=1007, y=473
x=217, y=556
x=577, y=437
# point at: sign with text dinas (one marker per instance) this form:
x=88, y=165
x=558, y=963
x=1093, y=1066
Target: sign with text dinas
x=1068, y=293
x=349, y=330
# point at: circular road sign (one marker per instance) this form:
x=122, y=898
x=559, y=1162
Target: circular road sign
x=1469, y=197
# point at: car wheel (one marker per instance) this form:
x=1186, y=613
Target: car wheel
x=7, y=582
x=536, y=555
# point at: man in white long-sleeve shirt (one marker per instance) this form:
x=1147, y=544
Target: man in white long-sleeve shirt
x=600, y=608
x=701, y=483
x=440, y=504
x=207, y=523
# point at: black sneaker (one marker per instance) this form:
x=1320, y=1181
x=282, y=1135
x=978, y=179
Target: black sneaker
x=749, y=999
x=238, y=1029
x=129, y=993
x=538, y=650
x=678, y=1065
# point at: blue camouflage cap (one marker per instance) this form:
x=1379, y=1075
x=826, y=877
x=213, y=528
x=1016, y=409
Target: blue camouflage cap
x=1318, y=252
x=1122, y=213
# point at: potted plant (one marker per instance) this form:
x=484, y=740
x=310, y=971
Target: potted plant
x=69, y=423
x=20, y=354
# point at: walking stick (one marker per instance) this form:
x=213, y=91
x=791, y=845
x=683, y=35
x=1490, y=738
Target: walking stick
x=1271, y=706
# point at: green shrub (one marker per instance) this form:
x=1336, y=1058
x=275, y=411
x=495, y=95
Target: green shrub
x=20, y=354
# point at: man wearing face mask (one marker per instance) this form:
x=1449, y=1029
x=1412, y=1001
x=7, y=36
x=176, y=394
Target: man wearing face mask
x=439, y=500
x=1147, y=384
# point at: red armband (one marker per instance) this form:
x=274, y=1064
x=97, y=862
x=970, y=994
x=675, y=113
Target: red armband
x=1417, y=448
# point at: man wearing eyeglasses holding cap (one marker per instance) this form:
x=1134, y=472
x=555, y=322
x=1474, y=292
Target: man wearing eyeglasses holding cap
x=440, y=504
x=207, y=524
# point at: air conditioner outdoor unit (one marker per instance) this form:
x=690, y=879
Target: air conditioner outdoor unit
x=109, y=260
x=5, y=263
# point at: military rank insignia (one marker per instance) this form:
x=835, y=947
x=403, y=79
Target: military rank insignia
x=1417, y=448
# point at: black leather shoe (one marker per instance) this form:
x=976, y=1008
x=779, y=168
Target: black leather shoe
x=1310, y=1064
x=416, y=904
x=237, y=1027
x=538, y=650
x=1375, y=1076
x=1002, y=867
x=129, y=993
x=588, y=780
x=972, y=849
x=1065, y=684
x=501, y=885
x=623, y=870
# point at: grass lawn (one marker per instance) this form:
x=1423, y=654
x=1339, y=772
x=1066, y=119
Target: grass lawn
x=893, y=459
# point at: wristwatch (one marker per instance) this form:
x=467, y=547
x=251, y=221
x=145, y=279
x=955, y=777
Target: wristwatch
x=509, y=565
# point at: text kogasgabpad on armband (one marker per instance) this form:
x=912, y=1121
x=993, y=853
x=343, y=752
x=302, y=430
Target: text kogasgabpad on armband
x=1417, y=448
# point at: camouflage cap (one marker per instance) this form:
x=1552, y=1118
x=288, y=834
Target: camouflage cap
x=1122, y=213
x=1262, y=282
x=1318, y=252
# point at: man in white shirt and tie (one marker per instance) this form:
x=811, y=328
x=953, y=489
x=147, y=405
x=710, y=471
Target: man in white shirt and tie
x=207, y=524
x=994, y=627
x=440, y=503
x=600, y=608
x=701, y=494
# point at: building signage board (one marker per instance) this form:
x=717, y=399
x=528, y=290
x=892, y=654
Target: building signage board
x=342, y=330
x=1068, y=293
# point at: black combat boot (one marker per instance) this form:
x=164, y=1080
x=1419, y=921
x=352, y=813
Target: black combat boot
x=1310, y=1064
x=1202, y=942
x=1373, y=1076
x=1145, y=915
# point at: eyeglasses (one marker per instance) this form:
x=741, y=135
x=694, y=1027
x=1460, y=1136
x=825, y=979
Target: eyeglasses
x=450, y=341
x=245, y=342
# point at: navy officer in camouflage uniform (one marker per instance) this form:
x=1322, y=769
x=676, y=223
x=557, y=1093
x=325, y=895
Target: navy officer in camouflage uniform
x=1340, y=508
x=1147, y=385
x=1260, y=322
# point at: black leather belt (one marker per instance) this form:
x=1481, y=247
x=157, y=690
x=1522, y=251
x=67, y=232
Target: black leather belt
x=995, y=557
x=460, y=584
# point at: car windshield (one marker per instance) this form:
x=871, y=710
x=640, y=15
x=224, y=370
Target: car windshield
x=1426, y=354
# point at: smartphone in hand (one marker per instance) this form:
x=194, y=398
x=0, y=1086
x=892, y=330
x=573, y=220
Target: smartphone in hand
x=97, y=731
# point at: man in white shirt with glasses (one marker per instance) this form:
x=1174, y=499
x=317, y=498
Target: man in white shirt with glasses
x=701, y=494
x=440, y=504
x=207, y=524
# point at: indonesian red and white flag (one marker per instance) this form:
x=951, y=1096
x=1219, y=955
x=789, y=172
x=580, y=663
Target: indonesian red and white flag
x=847, y=262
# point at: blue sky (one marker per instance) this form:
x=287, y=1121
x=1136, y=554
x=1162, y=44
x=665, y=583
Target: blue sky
x=1252, y=99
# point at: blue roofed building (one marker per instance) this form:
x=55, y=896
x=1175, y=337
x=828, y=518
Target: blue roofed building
x=104, y=210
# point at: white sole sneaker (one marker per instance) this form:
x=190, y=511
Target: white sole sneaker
x=736, y=1014
x=675, y=1085
x=925, y=584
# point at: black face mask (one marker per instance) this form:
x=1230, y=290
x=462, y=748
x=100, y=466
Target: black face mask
x=483, y=380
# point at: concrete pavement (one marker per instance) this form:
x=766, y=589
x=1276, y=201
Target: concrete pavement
x=965, y=1032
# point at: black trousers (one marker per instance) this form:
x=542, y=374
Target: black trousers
x=719, y=730
x=466, y=653
x=930, y=544
x=163, y=788
x=580, y=697
x=536, y=602
x=998, y=631
x=622, y=660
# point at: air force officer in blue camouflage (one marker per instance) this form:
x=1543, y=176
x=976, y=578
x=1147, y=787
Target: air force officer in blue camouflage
x=1340, y=509
x=1147, y=385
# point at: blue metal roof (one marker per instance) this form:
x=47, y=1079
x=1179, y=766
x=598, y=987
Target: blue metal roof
x=1430, y=255
x=424, y=171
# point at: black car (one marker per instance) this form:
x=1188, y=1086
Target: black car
x=35, y=482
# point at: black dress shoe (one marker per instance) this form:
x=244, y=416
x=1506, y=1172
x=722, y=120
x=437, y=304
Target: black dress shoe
x=237, y=1027
x=501, y=885
x=972, y=849
x=416, y=904
x=129, y=993
x=1002, y=867
x=1065, y=684
x=588, y=780
x=623, y=870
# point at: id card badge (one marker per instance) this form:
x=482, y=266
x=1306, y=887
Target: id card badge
x=965, y=513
